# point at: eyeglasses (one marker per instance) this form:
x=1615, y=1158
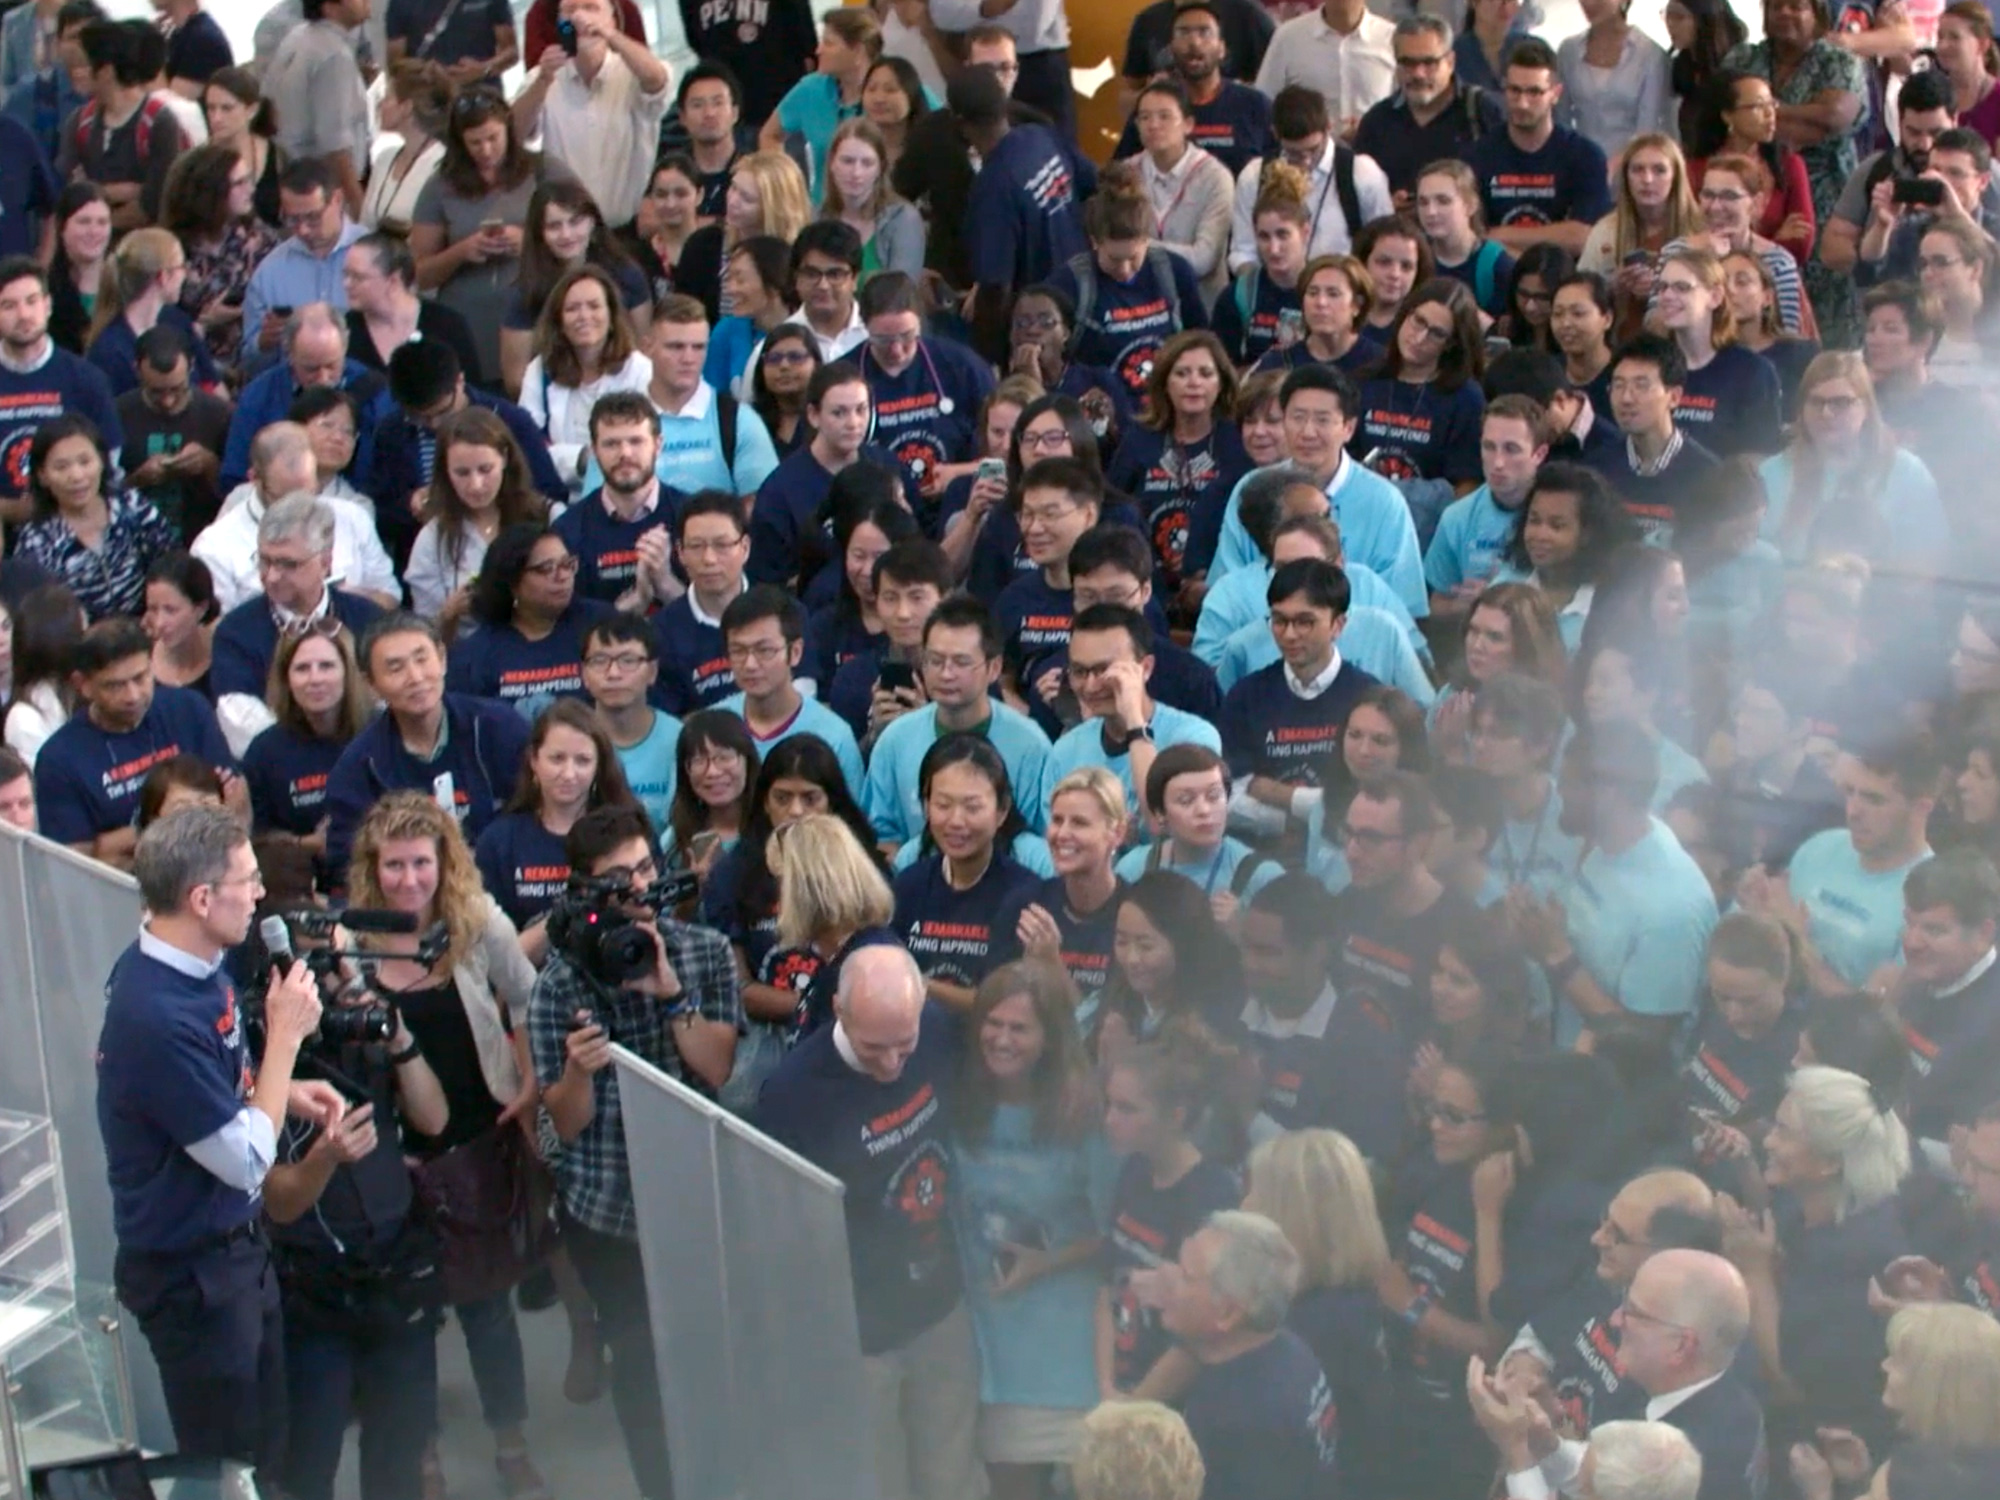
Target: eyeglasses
x=823, y=275
x=937, y=661
x=1631, y=1314
x=1053, y=441
x=1430, y=333
x=1044, y=515
x=711, y=546
x=1723, y=195
x=793, y=355
x=1307, y=621
x=646, y=871
x=623, y=661
x=1304, y=155
x=1416, y=64
x=1089, y=671
x=1126, y=598
x=284, y=567
x=1681, y=288
x=254, y=880
x=889, y=343
x=1451, y=1114
x=714, y=760
x=554, y=567
x=304, y=220
x=1832, y=406
x=762, y=654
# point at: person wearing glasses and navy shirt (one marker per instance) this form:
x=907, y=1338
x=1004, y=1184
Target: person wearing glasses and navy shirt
x=927, y=393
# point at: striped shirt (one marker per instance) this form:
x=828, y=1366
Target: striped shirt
x=110, y=578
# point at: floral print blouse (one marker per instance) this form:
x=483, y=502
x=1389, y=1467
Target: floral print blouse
x=110, y=578
x=225, y=272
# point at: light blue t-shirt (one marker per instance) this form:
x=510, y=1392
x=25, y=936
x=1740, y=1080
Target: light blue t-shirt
x=1678, y=771
x=1214, y=872
x=1084, y=746
x=1472, y=533
x=1373, y=639
x=691, y=456
x=1375, y=530
x=1536, y=853
x=1729, y=602
x=1906, y=501
x=896, y=812
x=1639, y=922
x=1570, y=618
x=815, y=718
x=1037, y=1346
x=1243, y=598
x=649, y=768
x=1856, y=915
x=1028, y=850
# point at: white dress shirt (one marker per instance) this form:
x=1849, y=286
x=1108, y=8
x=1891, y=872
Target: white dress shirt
x=1329, y=232
x=1356, y=70
x=605, y=134
x=228, y=544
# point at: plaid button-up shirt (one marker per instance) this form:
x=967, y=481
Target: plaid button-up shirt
x=591, y=1173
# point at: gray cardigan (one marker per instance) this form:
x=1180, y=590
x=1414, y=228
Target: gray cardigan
x=899, y=238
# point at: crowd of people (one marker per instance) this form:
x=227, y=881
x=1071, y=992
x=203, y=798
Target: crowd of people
x=1347, y=769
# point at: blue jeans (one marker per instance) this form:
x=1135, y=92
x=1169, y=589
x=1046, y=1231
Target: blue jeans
x=386, y=1376
x=499, y=1369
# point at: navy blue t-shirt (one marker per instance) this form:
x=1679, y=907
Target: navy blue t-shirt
x=1132, y=319
x=928, y=415
x=1954, y=1053
x=1234, y=127
x=1181, y=489
x=1733, y=404
x=1086, y=940
x=1409, y=431
x=1269, y=730
x=522, y=865
x=500, y=662
x=87, y=780
x=755, y=932
x=835, y=637
x=889, y=1143
x=694, y=668
x=172, y=1069
x=951, y=933
x=1249, y=338
x=1034, y=619
x=1741, y=1080
x=997, y=558
x=287, y=773
x=787, y=539
x=1365, y=353
x=851, y=692
x=1654, y=501
x=246, y=641
x=605, y=546
x=1021, y=221
x=1590, y=1383
x=1566, y=179
x=28, y=187
x=1148, y=1226
x=1344, y=1075
x=1266, y=1425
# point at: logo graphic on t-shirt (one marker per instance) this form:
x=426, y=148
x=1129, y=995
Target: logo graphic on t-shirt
x=904, y=425
x=1522, y=197
x=307, y=791
x=1597, y=1351
x=918, y=1189
x=1392, y=440
x=1139, y=332
x=125, y=779
x=1050, y=187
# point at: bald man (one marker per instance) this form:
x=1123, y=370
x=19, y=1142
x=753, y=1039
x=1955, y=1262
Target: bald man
x=867, y=1100
x=314, y=354
x=1683, y=1318
x=1570, y=1348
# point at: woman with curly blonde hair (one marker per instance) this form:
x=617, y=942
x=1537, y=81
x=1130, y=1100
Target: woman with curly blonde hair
x=462, y=1007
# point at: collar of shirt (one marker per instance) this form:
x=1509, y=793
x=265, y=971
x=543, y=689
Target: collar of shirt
x=713, y=622
x=1342, y=472
x=28, y=367
x=1319, y=684
x=1658, y=466
x=850, y=337
x=1371, y=28
x=1659, y=1406
x=572, y=80
x=844, y=1045
x=1313, y=1023
x=695, y=409
x=349, y=233
x=1166, y=186
x=178, y=959
x=652, y=501
x=1971, y=976
x=287, y=619
x=1586, y=420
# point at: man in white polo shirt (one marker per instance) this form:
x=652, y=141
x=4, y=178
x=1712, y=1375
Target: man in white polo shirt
x=599, y=111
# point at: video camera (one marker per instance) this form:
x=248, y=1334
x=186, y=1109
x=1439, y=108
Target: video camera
x=341, y=1025
x=590, y=926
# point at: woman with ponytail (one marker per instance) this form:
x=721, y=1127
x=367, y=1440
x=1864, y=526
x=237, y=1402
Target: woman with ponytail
x=1261, y=310
x=141, y=288
x=1131, y=294
x=1834, y=1158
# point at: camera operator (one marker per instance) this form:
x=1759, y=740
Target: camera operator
x=357, y=1267
x=681, y=1013
x=189, y=1138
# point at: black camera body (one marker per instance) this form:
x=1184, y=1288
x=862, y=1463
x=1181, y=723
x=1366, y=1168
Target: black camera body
x=590, y=928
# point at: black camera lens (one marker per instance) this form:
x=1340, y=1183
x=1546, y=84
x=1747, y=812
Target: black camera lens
x=357, y=1024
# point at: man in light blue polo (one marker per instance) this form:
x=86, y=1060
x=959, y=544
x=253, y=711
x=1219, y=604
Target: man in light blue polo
x=695, y=454
x=1110, y=660
x=961, y=662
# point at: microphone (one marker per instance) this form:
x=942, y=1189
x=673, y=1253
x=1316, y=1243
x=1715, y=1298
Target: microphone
x=277, y=940
x=320, y=924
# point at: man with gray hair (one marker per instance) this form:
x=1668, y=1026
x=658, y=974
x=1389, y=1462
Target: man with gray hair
x=1260, y=1409
x=281, y=463
x=295, y=552
x=1640, y=1461
x=867, y=1100
x=188, y=1138
x=313, y=352
x=1685, y=1315
x=1432, y=116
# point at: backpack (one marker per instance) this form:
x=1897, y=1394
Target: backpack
x=1245, y=871
x=86, y=120
x=1343, y=188
x=725, y=419
x=1485, y=262
x=1083, y=266
x=1472, y=98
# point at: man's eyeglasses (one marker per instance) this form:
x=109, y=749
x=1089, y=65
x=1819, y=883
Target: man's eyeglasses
x=554, y=567
x=621, y=661
x=284, y=567
x=305, y=220
x=937, y=661
x=1630, y=1314
x=761, y=654
x=890, y=343
x=711, y=546
x=1420, y=64
x=823, y=275
x=1044, y=515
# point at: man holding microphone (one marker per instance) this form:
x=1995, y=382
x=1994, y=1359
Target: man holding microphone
x=190, y=1124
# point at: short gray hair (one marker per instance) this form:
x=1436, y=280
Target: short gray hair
x=298, y=517
x=1425, y=25
x=312, y=315
x=1255, y=1267
x=1643, y=1461
x=186, y=848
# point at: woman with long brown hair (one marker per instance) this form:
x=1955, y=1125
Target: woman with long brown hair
x=242, y=119
x=1653, y=204
x=321, y=702
x=564, y=232
x=480, y=485
x=1511, y=627
x=409, y=856
x=585, y=348
x=1034, y=1178
x=858, y=192
x=209, y=204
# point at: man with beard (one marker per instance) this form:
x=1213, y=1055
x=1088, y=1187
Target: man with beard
x=1232, y=121
x=620, y=531
x=39, y=382
x=1431, y=116
x=1623, y=941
